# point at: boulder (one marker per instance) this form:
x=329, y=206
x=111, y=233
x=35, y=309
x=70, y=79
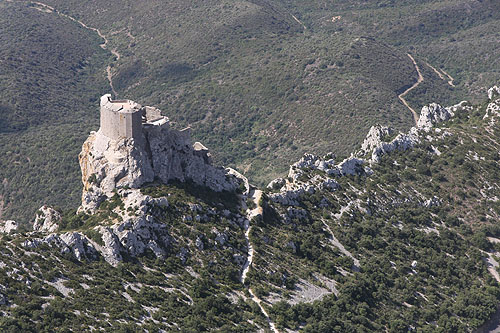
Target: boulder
x=493, y=92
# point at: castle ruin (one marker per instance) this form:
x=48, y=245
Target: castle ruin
x=123, y=119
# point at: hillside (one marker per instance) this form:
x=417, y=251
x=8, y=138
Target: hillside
x=50, y=79
x=402, y=235
x=260, y=82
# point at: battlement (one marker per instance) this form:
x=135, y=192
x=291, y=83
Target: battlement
x=125, y=118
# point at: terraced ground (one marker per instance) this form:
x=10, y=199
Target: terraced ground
x=261, y=82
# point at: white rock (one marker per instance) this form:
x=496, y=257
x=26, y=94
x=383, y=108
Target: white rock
x=47, y=219
x=493, y=92
x=432, y=202
x=375, y=137
x=276, y=184
x=199, y=243
x=111, y=249
x=351, y=166
x=433, y=114
x=79, y=245
x=8, y=226
x=220, y=238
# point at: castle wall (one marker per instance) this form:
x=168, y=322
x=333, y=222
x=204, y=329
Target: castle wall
x=109, y=123
x=120, y=119
x=130, y=124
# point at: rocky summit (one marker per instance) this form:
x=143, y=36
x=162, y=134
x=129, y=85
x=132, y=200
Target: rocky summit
x=157, y=153
x=400, y=236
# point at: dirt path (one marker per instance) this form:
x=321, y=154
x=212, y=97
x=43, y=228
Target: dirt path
x=448, y=78
x=109, y=74
x=258, y=301
x=402, y=95
x=451, y=79
x=298, y=21
x=255, y=196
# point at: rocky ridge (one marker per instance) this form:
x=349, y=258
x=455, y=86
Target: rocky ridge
x=117, y=169
x=377, y=143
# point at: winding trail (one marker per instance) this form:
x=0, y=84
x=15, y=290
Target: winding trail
x=255, y=196
x=258, y=301
x=402, y=95
x=104, y=45
x=449, y=79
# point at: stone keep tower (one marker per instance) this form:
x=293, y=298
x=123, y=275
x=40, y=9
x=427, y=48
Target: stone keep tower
x=121, y=118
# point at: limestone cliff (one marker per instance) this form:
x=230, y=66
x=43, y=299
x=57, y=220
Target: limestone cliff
x=160, y=153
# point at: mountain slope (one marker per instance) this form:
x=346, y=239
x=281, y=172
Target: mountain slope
x=51, y=74
x=261, y=82
x=402, y=235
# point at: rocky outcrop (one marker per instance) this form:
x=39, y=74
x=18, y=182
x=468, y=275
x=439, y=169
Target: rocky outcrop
x=493, y=92
x=47, y=220
x=376, y=135
x=493, y=108
x=133, y=236
x=8, y=226
x=380, y=140
x=161, y=153
x=70, y=242
x=375, y=145
x=378, y=143
x=432, y=114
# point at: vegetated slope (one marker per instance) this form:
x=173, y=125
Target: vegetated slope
x=258, y=87
x=195, y=288
x=261, y=82
x=410, y=241
x=49, y=81
x=415, y=244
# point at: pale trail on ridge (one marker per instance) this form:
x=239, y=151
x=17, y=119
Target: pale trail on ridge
x=255, y=196
x=104, y=46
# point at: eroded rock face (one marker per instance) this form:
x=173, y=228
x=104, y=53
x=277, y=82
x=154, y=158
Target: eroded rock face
x=108, y=164
x=160, y=153
x=8, y=226
x=435, y=113
x=375, y=137
x=47, y=220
